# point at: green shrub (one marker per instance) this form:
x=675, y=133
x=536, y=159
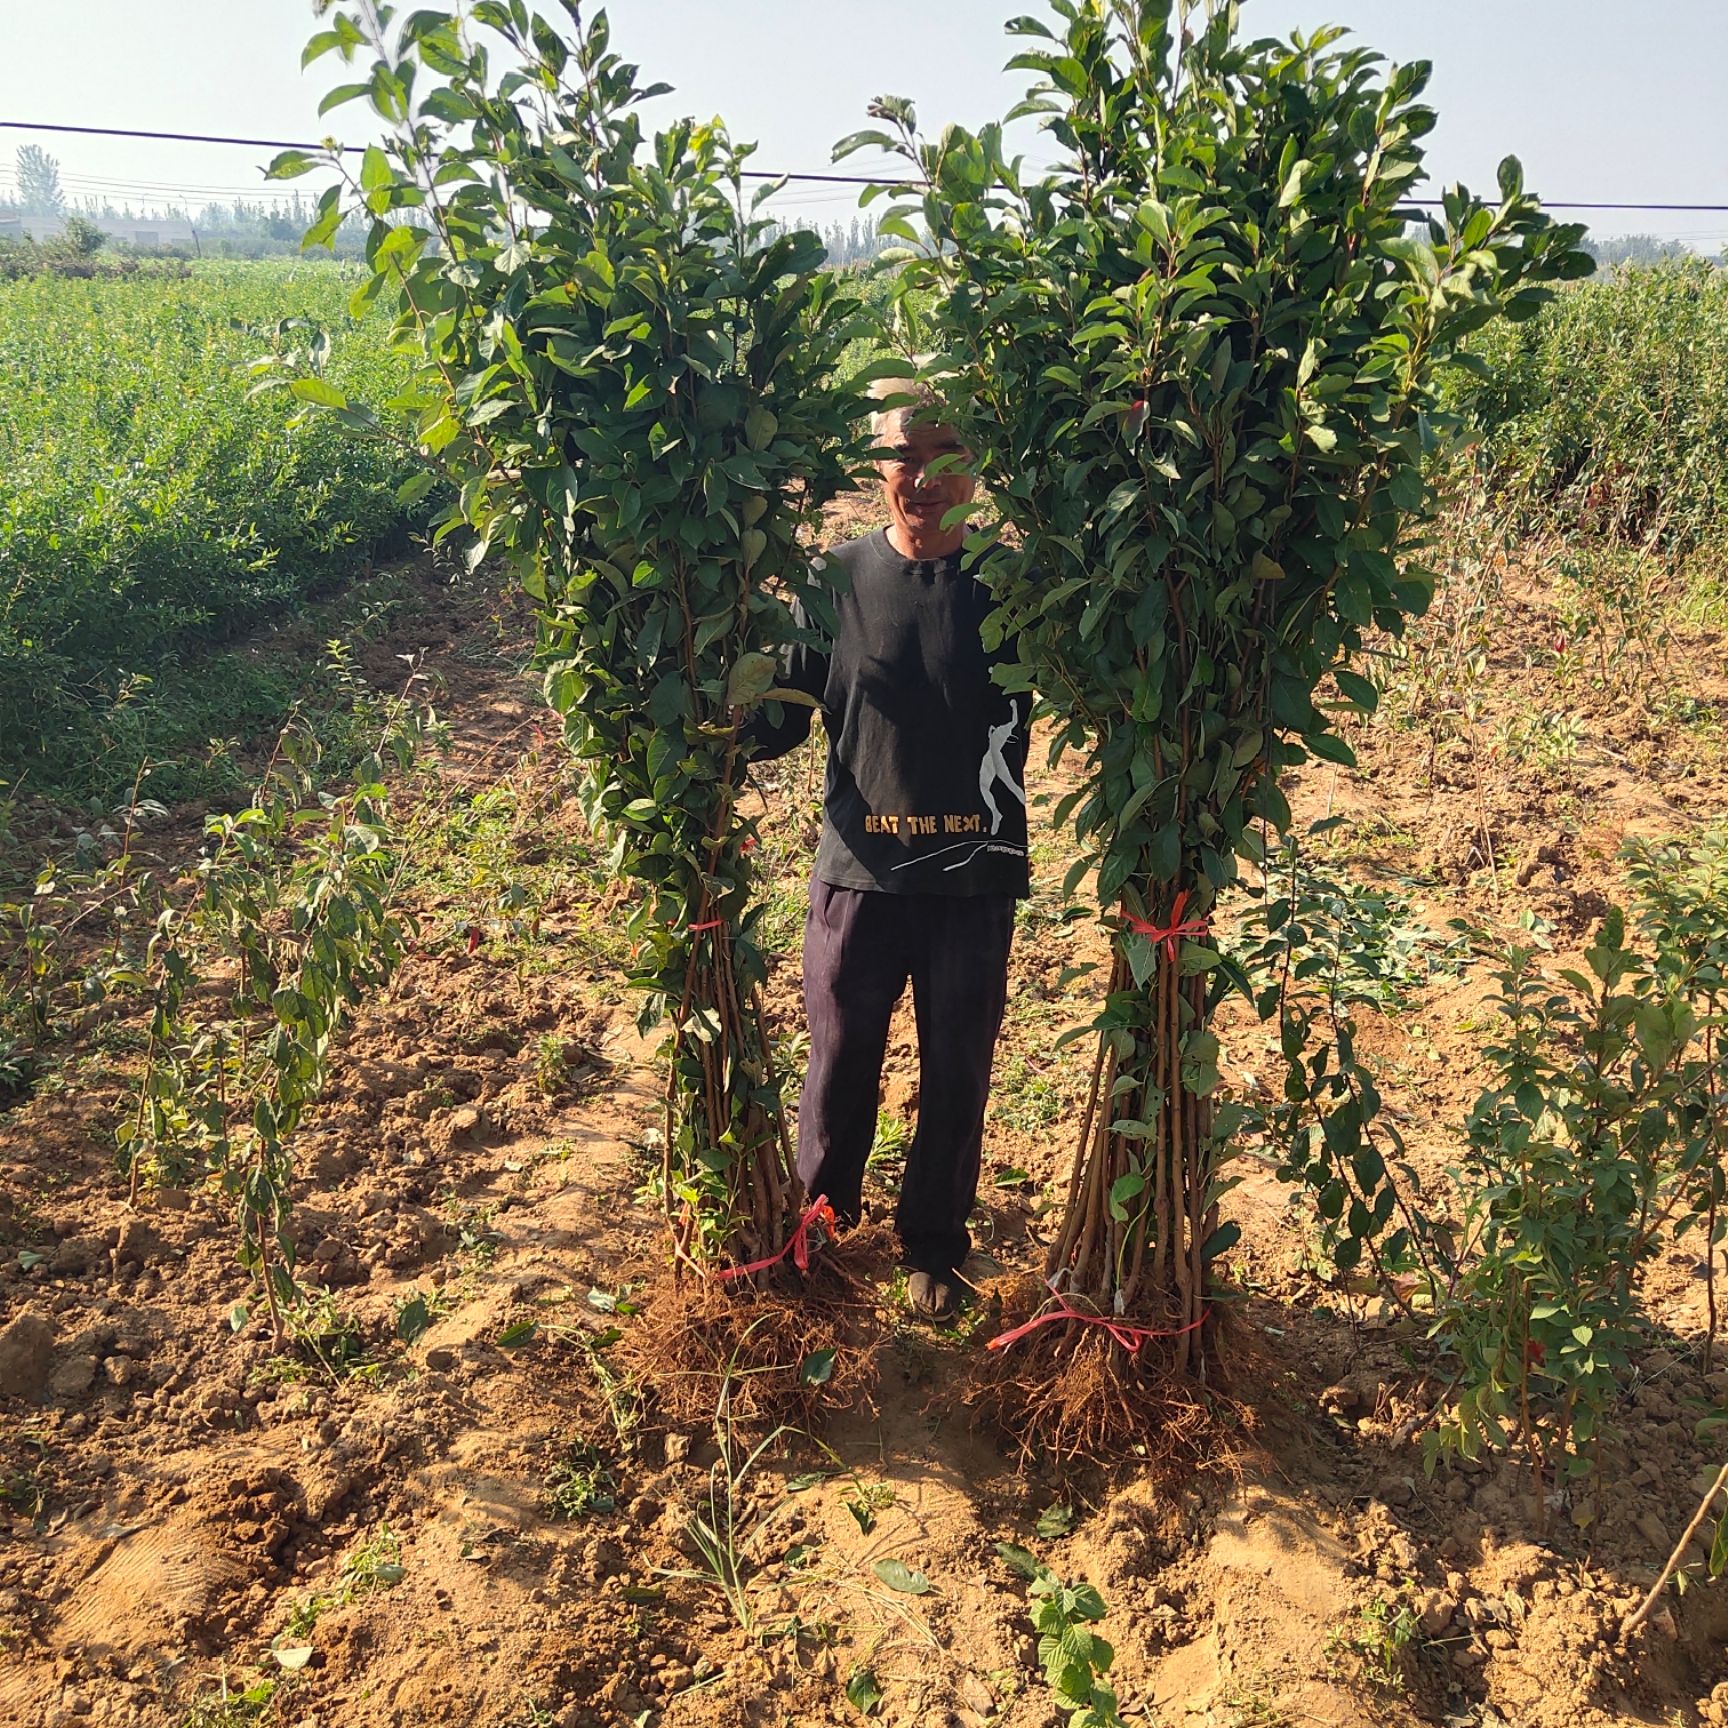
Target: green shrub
x=1609, y=410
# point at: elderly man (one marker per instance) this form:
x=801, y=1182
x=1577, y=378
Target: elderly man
x=923, y=849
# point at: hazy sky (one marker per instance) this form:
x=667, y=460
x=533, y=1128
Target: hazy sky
x=1603, y=100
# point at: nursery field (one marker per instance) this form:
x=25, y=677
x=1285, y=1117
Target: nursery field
x=150, y=508
x=409, y=1308
x=451, y=1500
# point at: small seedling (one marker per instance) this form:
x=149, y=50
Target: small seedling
x=892, y=1137
x=864, y=1501
x=374, y=1564
x=326, y=1336
x=1055, y=1521
x=721, y=1527
x=1074, y=1658
x=581, y=1484
x=225, y=1708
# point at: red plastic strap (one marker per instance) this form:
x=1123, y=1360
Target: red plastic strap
x=797, y=1245
x=1172, y=933
x=1128, y=1336
x=697, y=929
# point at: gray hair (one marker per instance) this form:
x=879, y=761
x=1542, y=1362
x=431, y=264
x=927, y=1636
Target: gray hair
x=908, y=393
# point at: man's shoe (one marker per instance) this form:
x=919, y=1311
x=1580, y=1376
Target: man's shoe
x=932, y=1296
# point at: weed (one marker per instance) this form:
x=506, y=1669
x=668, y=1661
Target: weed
x=24, y=1485
x=1377, y=1639
x=1547, y=741
x=471, y=1225
x=1074, y=1658
x=373, y=1564
x=553, y=1068
x=722, y=1525
x=225, y=1708
x=325, y=1333
x=893, y=1136
x=580, y=1484
x=1055, y=1521
x=1253, y=1707
x=1026, y=1097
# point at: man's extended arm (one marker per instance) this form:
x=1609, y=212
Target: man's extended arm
x=802, y=668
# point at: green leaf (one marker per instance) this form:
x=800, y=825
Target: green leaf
x=1221, y=1241
x=817, y=1369
x=1055, y=1521
x=341, y=94
x=897, y=1575
x=413, y=1318
x=1357, y=690
x=375, y=170
x=1124, y=1189
x=290, y=165
x=864, y=1691
x=1020, y=1560
x=318, y=391
x=751, y=678
x=1329, y=747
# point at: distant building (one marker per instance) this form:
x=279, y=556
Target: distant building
x=146, y=233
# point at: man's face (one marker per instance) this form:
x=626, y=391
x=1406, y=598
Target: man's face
x=918, y=499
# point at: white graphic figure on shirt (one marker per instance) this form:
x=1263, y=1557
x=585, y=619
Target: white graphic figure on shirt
x=993, y=770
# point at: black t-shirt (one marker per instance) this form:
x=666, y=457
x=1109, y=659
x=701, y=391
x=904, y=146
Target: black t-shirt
x=925, y=789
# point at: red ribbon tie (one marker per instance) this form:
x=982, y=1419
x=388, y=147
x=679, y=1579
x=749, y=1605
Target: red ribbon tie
x=797, y=1244
x=1130, y=1337
x=1170, y=935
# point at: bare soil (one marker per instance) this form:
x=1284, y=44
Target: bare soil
x=185, y=1513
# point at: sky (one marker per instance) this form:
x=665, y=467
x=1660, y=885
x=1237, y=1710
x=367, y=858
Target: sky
x=1604, y=100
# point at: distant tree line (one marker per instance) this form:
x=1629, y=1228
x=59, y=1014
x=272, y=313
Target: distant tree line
x=856, y=242
x=1637, y=249
x=271, y=228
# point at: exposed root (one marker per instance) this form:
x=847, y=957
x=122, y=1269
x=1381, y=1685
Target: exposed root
x=766, y=1336
x=1069, y=1392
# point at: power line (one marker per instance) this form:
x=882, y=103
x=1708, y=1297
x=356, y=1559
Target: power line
x=358, y=149
x=747, y=173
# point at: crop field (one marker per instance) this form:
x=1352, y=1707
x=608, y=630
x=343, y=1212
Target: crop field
x=149, y=508
x=447, y=1497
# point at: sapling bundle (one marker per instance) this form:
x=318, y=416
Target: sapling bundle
x=1195, y=361
x=630, y=376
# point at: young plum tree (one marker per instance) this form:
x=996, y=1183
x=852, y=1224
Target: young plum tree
x=630, y=376
x=1196, y=362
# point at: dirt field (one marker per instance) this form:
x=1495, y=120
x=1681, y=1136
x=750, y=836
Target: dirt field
x=485, y=1526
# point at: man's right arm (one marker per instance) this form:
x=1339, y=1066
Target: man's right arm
x=804, y=669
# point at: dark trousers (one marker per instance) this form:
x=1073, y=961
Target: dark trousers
x=860, y=947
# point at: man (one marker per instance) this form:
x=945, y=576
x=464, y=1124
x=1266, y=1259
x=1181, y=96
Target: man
x=923, y=849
